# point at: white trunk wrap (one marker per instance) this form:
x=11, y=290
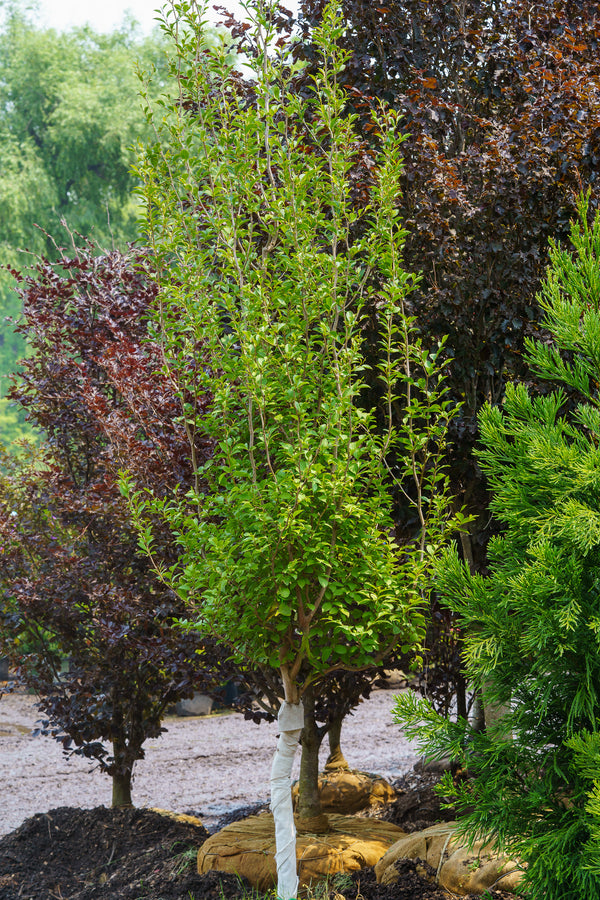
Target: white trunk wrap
x=290, y=721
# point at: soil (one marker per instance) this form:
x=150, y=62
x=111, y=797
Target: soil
x=75, y=853
x=138, y=854
x=414, y=883
x=417, y=805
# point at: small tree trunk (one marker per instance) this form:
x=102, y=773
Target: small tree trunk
x=493, y=714
x=309, y=815
x=490, y=712
x=290, y=721
x=461, y=697
x=121, y=789
x=121, y=777
x=477, y=712
x=336, y=759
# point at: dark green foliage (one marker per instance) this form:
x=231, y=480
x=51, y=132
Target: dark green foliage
x=532, y=627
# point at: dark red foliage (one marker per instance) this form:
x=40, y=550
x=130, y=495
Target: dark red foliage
x=73, y=580
x=502, y=105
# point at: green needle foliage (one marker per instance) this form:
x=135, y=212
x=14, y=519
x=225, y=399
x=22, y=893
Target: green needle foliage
x=532, y=627
x=267, y=263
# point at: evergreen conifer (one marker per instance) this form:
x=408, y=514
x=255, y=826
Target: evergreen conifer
x=532, y=625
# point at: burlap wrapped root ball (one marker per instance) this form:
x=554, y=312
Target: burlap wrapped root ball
x=459, y=869
x=248, y=848
x=348, y=791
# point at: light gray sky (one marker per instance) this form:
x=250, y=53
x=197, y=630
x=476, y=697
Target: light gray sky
x=105, y=15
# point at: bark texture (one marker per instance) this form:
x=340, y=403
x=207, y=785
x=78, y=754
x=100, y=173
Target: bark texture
x=309, y=814
x=336, y=759
x=121, y=790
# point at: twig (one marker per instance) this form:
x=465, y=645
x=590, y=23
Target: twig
x=504, y=875
x=441, y=862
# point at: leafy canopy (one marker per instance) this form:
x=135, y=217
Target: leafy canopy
x=69, y=115
x=287, y=550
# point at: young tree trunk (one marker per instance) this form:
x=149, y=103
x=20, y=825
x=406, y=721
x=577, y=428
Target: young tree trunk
x=309, y=815
x=494, y=713
x=121, y=776
x=121, y=779
x=461, y=697
x=490, y=712
x=336, y=759
x=290, y=720
x=121, y=790
x=477, y=717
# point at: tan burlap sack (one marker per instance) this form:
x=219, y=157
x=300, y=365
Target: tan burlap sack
x=459, y=870
x=248, y=848
x=347, y=791
x=178, y=817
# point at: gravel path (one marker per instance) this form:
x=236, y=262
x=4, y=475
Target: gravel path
x=209, y=765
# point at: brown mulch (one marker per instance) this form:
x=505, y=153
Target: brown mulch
x=138, y=854
x=97, y=854
x=417, y=805
x=416, y=882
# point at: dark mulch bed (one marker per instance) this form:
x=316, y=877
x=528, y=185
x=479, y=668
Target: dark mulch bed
x=136, y=854
x=417, y=805
x=416, y=882
x=131, y=854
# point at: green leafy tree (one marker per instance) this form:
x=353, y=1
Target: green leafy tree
x=286, y=545
x=500, y=102
x=69, y=116
x=68, y=119
x=531, y=628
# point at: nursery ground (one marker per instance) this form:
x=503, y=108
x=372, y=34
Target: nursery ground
x=210, y=765
x=137, y=854
x=72, y=847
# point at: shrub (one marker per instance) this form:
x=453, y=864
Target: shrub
x=532, y=626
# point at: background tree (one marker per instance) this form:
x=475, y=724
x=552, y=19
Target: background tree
x=74, y=584
x=288, y=557
x=531, y=627
x=69, y=117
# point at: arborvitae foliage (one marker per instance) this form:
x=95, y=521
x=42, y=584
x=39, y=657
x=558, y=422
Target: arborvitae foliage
x=74, y=584
x=532, y=627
